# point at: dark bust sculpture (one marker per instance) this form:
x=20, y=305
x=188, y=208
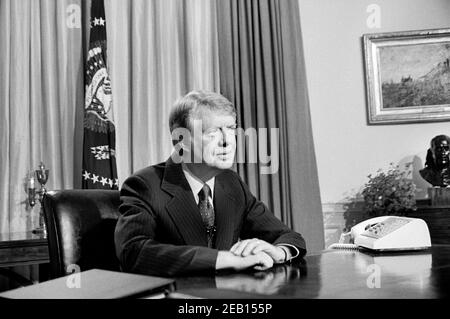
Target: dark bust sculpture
x=437, y=164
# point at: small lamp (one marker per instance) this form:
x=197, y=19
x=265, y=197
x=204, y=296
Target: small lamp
x=42, y=177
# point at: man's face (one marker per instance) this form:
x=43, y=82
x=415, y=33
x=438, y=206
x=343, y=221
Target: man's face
x=214, y=139
x=441, y=152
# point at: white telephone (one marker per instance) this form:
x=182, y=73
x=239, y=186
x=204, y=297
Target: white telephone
x=388, y=233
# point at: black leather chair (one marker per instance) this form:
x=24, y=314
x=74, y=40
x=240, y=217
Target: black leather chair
x=80, y=229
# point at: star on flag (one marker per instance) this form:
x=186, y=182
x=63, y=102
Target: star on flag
x=99, y=21
x=86, y=175
x=104, y=181
x=94, y=178
x=100, y=179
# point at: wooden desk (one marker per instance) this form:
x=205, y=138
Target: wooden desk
x=331, y=274
x=26, y=248
x=336, y=274
x=23, y=259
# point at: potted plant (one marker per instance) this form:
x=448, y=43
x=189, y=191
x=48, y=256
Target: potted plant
x=390, y=192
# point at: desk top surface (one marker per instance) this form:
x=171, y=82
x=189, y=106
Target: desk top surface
x=336, y=274
x=329, y=274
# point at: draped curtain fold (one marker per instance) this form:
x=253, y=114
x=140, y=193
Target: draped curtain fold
x=158, y=51
x=262, y=71
x=41, y=88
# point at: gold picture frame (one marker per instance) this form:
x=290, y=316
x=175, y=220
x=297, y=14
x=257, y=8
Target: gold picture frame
x=407, y=76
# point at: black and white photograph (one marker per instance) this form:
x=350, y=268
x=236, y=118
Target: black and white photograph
x=252, y=155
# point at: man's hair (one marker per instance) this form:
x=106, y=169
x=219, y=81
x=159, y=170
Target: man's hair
x=194, y=102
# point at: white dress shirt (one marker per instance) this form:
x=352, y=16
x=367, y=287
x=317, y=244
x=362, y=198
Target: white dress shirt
x=196, y=185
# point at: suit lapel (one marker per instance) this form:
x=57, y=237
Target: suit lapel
x=226, y=209
x=182, y=207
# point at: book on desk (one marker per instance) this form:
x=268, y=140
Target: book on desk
x=95, y=284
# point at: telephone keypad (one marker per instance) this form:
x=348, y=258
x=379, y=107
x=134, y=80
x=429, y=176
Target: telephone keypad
x=385, y=227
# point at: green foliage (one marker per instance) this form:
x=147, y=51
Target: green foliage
x=389, y=193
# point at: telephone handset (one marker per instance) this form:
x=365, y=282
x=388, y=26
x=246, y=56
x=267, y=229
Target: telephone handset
x=388, y=233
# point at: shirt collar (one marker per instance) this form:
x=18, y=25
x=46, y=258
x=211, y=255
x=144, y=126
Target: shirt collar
x=195, y=183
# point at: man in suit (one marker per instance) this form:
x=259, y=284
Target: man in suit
x=192, y=213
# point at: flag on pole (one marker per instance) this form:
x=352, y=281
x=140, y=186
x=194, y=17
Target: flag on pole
x=99, y=142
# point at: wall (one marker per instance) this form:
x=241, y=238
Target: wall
x=348, y=149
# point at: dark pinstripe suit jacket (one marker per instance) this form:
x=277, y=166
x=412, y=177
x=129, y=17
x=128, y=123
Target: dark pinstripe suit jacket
x=160, y=230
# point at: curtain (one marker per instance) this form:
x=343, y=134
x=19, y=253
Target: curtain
x=41, y=88
x=262, y=71
x=158, y=51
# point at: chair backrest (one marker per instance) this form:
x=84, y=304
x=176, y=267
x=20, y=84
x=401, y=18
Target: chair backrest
x=80, y=229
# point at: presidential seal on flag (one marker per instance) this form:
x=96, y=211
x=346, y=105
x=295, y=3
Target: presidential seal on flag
x=98, y=100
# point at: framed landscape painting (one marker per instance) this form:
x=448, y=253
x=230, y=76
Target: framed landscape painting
x=408, y=76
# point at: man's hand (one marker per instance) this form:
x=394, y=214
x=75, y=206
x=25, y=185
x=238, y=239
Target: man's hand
x=259, y=261
x=254, y=246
